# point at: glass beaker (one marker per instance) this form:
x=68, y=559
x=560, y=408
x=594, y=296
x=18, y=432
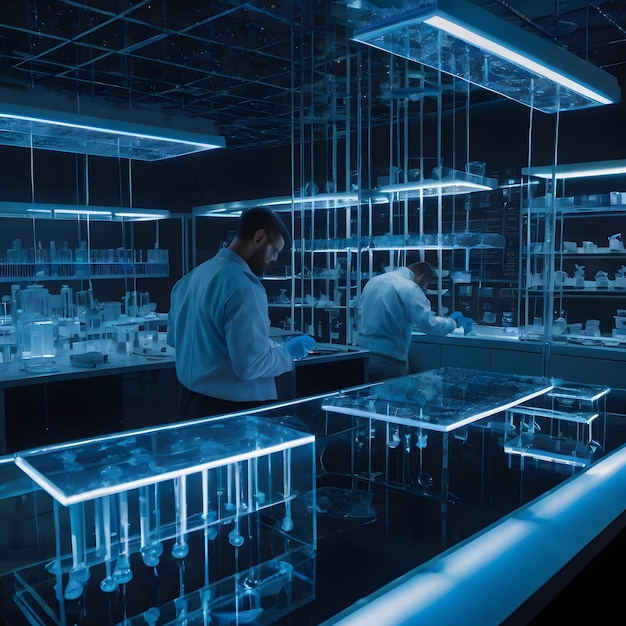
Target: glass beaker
x=35, y=329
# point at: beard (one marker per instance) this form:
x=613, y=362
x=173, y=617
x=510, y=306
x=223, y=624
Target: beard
x=257, y=263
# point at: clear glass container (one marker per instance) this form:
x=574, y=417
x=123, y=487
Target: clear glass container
x=35, y=328
x=226, y=504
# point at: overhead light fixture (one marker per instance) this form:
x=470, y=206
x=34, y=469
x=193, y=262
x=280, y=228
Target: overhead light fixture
x=142, y=215
x=62, y=211
x=577, y=170
x=465, y=41
x=27, y=126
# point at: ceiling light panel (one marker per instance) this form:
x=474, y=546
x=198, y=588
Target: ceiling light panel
x=465, y=41
x=67, y=132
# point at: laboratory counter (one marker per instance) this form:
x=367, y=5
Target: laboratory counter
x=82, y=394
x=496, y=350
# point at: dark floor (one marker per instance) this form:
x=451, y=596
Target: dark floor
x=595, y=595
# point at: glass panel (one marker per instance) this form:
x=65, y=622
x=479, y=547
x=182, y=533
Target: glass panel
x=442, y=400
x=224, y=506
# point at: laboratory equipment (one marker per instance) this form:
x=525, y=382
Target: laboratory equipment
x=35, y=329
x=119, y=501
x=67, y=302
x=620, y=278
x=561, y=432
x=615, y=243
x=432, y=404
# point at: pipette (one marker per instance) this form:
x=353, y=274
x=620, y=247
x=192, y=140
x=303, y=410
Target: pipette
x=287, y=523
x=234, y=537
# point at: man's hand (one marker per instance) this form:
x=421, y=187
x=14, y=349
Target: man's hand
x=456, y=316
x=299, y=347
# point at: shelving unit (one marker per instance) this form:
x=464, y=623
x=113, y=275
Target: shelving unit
x=319, y=291
x=572, y=268
x=57, y=260
x=51, y=255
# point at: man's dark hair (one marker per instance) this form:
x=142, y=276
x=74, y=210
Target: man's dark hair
x=422, y=268
x=258, y=218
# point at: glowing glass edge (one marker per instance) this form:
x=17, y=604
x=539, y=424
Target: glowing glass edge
x=395, y=419
x=104, y=129
x=82, y=212
x=50, y=487
x=486, y=44
x=577, y=170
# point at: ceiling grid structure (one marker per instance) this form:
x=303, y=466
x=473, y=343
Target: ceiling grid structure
x=236, y=63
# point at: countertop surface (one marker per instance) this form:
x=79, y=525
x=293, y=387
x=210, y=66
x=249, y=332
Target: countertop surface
x=605, y=346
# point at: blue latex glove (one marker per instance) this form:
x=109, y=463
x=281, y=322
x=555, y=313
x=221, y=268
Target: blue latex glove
x=456, y=316
x=467, y=324
x=299, y=347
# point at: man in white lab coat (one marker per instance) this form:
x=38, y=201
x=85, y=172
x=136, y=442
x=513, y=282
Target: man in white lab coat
x=392, y=305
x=218, y=323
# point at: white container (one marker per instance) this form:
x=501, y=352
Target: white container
x=620, y=322
x=461, y=277
x=475, y=167
x=617, y=197
x=615, y=243
x=592, y=328
x=35, y=328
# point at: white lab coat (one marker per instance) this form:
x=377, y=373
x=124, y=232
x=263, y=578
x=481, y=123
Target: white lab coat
x=219, y=326
x=392, y=305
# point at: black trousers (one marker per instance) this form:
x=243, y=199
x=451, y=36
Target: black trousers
x=192, y=405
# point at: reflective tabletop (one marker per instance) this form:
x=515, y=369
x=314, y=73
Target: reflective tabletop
x=441, y=400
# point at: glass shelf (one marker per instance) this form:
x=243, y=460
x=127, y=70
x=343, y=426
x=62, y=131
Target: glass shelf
x=440, y=400
x=553, y=450
x=573, y=206
x=454, y=184
x=284, y=204
x=40, y=210
x=434, y=241
x=97, y=468
x=11, y=272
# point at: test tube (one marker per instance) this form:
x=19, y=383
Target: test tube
x=250, y=485
x=151, y=547
x=229, y=506
x=79, y=573
x=234, y=537
x=287, y=523
x=205, y=493
x=180, y=549
x=219, y=492
x=108, y=583
x=99, y=535
x=207, y=515
x=122, y=572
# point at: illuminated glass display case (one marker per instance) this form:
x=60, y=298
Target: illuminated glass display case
x=565, y=428
x=224, y=508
